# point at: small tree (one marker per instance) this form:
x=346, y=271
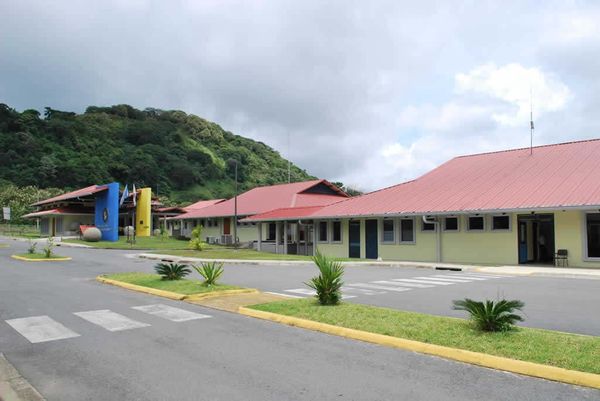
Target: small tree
x=329, y=282
x=49, y=247
x=172, y=271
x=196, y=241
x=32, y=247
x=210, y=271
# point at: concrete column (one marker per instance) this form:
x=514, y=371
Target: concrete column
x=259, y=225
x=285, y=237
x=277, y=234
x=297, y=234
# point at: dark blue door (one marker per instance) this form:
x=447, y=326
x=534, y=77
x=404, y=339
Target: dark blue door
x=354, y=239
x=371, y=239
x=523, y=257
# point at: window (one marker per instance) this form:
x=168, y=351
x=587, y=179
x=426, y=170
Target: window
x=476, y=223
x=336, y=231
x=185, y=225
x=451, y=224
x=592, y=224
x=323, y=231
x=272, y=232
x=501, y=222
x=427, y=226
x=407, y=230
x=388, y=231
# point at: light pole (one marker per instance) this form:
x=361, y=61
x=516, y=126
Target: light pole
x=235, y=213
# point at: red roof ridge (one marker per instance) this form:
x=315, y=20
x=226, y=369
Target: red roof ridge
x=525, y=148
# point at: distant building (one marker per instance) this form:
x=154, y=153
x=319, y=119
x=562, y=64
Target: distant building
x=507, y=207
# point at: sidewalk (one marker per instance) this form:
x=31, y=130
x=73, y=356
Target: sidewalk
x=508, y=270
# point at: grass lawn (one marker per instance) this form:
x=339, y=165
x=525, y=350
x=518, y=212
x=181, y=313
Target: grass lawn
x=37, y=256
x=569, y=351
x=223, y=252
x=140, y=243
x=183, y=286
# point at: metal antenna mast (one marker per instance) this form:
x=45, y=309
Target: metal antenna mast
x=531, y=121
x=288, y=157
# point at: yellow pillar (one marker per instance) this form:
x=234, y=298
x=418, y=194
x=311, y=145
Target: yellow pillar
x=143, y=213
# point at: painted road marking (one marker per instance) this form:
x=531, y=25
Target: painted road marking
x=170, y=313
x=307, y=292
x=39, y=329
x=362, y=291
x=380, y=287
x=110, y=320
x=482, y=275
x=422, y=280
x=415, y=285
x=453, y=280
x=461, y=277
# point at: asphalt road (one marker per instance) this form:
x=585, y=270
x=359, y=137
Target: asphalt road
x=224, y=357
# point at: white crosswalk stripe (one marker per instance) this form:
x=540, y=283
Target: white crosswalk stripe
x=380, y=287
x=481, y=275
x=361, y=291
x=452, y=280
x=423, y=280
x=403, y=284
x=462, y=277
x=110, y=320
x=170, y=313
x=312, y=293
x=39, y=329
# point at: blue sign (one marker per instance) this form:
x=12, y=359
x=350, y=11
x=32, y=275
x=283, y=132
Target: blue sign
x=107, y=212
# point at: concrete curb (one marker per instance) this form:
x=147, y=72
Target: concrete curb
x=173, y=295
x=13, y=386
x=474, y=358
x=24, y=259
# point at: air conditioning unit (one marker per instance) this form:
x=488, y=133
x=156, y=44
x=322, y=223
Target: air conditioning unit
x=211, y=240
x=227, y=239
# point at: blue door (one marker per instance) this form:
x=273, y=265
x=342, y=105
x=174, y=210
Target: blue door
x=354, y=239
x=371, y=239
x=523, y=242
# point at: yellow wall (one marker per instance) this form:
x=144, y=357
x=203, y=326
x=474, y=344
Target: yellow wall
x=569, y=229
x=143, y=213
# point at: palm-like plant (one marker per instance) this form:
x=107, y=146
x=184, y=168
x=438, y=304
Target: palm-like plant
x=329, y=282
x=490, y=315
x=172, y=271
x=210, y=271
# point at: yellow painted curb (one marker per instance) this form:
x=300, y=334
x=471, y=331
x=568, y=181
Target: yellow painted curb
x=153, y=291
x=474, y=358
x=197, y=297
x=39, y=260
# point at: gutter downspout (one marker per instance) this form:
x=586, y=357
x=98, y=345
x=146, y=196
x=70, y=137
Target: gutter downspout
x=438, y=238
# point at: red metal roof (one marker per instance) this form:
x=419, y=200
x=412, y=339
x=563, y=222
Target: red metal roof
x=262, y=199
x=92, y=189
x=285, y=213
x=60, y=211
x=554, y=176
x=202, y=204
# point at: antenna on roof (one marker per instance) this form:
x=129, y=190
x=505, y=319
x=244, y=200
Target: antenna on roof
x=531, y=120
x=288, y=157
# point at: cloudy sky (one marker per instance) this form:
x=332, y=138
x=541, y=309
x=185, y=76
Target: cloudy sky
x=371, y=93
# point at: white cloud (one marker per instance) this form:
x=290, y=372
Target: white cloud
x=516, y=85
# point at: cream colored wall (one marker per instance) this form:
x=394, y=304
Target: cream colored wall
x=75, y=220
x=247, y=233
x=423, y=250
x=569, y=229
x=337, y=249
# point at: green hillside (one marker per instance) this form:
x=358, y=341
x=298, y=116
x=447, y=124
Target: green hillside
x=183, y=155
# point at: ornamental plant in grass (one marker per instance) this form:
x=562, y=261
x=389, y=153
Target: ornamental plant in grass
x=196, y=242
x=32, y=247
x=172, y=271
x=329, y=282
x=490, y=315
x=48, y=248
x=210, y=271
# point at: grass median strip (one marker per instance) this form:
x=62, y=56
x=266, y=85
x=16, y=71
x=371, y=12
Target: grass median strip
x=563, y=350
x=184, y=287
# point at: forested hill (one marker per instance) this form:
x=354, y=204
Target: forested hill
x=187, y=157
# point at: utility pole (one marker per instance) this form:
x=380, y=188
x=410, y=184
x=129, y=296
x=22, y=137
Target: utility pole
x=235, y=219
x=531, y=122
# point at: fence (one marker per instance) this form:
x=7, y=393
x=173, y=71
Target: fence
x=19, y=230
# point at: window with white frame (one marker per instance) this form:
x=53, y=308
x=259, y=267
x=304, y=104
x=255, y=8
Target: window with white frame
x=323, y=231
x=336, y=231
x=451, y=224
x=388, y=230
x=407, y=231
x=592, y=231
x=476, y=223
x=501, y=222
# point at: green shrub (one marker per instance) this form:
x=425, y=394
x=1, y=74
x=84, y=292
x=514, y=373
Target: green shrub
x=329, y=282
x=32, y=247
x=490, y=315
x=210, y=271
x=48, y=248
x=196, y=242
x=172, y=271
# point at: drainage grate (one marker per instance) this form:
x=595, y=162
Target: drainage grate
x=452, y=269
